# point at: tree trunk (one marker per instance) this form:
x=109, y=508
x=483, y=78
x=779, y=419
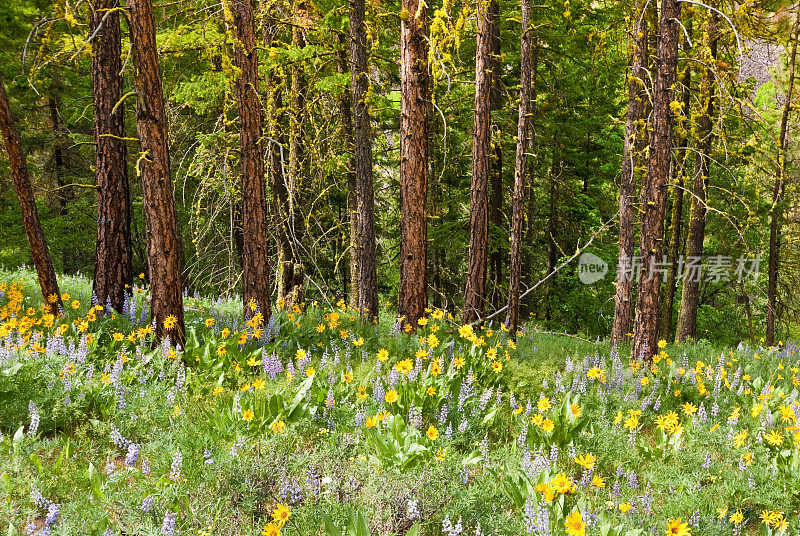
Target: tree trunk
x=163, y=241
x=113, y=268
x=256, y=289
x=777, y=199
x=655, y=194
x=690, y=297
x=362, y=164
x=475, y=291
x=27, y=205
x=634, y=133
x=60, y=168
x=496, y=251
x=520, y=170
x=346, y=108
x=530, y=228
x=291, y=273
x=675, y=232
x=414, y=125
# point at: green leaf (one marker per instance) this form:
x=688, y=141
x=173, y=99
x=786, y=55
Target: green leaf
x=330, y=528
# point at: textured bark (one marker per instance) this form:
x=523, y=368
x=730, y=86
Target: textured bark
x=255, y=253
x=113, y=268
x=777, y=199
x=475, y=291
x=520, y=170
x=634, y=132
x=278, y=155
x=163, y=241
x=291, y=273
x=690, y=296
x=346, y=108
x=27, y=205
x=675, y=231
x=530, y=227
x=655, y=194
x=362, y=165
x=496, y=252
x=60, y=169
x=414, y=128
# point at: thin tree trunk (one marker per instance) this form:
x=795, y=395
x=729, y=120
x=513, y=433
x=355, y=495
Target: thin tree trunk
x=475, y=291
x=163, y=241
x=634, y=133
x=362, y=164
x=256, y=289
x=346, y=108
x=530, y=228
x=414, y=151
x=113, y=263
x=59, y=168
x=777, y=198
x=27, y=205
x=675, y=232
x=291, y=273
x=655, y=194
x=520, y=170
x=690, y=296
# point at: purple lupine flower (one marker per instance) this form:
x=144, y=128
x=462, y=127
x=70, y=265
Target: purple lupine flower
x=168, y=525
x=52, y=515
x=147, y=504
x=177, y=465
x=133, y=455
x=34, y=411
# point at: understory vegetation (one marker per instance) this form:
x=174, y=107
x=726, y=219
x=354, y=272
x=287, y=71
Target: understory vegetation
x=316, y=423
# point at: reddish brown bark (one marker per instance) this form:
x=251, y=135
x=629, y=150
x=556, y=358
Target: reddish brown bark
x=113, y=269
x=27, y=205
x=520, y=169
x=623, y=299
x=675, y=232
x=690, y=297
x=655, y=195
x=414, y=128
x=362, y=165
x=475, y=292
x=255, y=253
x=163, y=241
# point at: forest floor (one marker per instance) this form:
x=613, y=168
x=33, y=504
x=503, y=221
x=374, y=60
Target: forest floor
x=315, y=423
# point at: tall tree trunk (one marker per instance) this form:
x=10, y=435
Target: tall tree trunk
x=278, y=152
x=530, y=228
x=346, y=108
x=777, y=198
x=59, y=168
x=634, y=133
x=163, y=241
x=675, y=231
x=27, y=205
x=255, y=253
x=690, y=296
x=496, y=194
x=475, y=291
x=414, y=127
x=655, y=194
x=520, y=169
x=362, y=164
x=291, y=273
x=113, y=263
